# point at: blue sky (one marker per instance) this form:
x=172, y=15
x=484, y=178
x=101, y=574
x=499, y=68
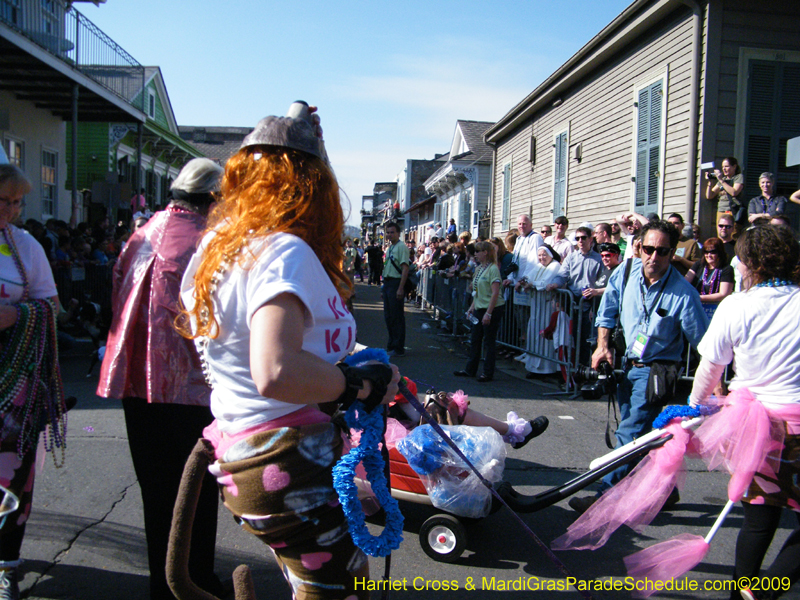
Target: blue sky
x=390, y=78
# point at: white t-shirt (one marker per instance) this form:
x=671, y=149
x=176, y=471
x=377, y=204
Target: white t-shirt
x=759, y=329
x=562, y=246
x=37, y=269
x=526, y=255
x=284, y=264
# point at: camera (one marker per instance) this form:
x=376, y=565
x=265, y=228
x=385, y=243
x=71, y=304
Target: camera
x=598, y=383
x=711, y=175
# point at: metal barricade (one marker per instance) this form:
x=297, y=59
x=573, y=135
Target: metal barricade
x=445, y=296
x=542, y=311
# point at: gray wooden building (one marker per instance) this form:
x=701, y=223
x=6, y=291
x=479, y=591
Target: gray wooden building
x=626, y=123
x=462, y=184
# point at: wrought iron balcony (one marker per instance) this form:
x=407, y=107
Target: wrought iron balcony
x=65, y=33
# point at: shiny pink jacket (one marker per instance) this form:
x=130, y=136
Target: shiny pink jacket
x=145, y=357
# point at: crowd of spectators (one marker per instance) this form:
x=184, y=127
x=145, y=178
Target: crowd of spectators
x=81, y=259
x=551, y=257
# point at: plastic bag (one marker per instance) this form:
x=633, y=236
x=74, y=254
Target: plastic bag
x=451, y=485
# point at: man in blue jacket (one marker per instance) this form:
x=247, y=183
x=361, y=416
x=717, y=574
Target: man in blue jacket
x=656, y=307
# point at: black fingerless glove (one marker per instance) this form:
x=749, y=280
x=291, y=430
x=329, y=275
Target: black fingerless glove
x=378, y=374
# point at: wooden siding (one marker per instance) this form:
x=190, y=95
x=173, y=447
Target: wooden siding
x=602, y=117
x=92, y=142
x=777, y=30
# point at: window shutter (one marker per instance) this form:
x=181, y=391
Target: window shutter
x=773, y=117
x=560, y=175
x=506, y=196
x=648, y=148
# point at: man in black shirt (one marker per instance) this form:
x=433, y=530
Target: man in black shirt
x=375, y=262
x=725, y=233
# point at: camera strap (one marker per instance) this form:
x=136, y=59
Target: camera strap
x=611, y=440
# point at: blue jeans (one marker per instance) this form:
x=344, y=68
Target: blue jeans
x=636, y=418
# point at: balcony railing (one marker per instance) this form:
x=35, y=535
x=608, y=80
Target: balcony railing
x=68, y=35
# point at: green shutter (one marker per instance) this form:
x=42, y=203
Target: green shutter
x=560, y=175
x=648, y=147
x=773, y=117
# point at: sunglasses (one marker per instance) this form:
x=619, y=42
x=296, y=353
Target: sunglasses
x=660, y=250
x=580, y=238
x=608, y=254
x=721, y=226
x=710, y=252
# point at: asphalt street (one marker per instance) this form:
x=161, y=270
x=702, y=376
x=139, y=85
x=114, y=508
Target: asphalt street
x=85, y=538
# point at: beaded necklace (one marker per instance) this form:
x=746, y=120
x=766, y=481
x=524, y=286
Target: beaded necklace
x=478, y=274
x=203, y=340
x=710, y=284
x=775, y=282
x=31, y=390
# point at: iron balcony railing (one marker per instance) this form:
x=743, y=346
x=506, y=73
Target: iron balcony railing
x=68, y=35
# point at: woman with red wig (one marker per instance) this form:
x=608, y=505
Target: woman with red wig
x=265, y=299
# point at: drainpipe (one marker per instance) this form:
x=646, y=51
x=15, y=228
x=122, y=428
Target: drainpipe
x=694, y=108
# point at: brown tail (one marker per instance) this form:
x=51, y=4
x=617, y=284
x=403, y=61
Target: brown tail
x=180, y=535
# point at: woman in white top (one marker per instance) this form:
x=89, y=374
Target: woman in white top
x=31, y=394
x=757, y=329
x=265, y=299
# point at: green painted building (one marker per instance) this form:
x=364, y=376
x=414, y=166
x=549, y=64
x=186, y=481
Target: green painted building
x=108, y=155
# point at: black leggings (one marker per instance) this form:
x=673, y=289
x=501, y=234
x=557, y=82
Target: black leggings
x=161, y=438
x=760, y=523
x=21, y=485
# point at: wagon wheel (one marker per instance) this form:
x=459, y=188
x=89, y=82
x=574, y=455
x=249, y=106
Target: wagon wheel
x=443, y=538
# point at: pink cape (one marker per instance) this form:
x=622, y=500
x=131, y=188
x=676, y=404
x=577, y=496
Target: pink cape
x=145, y=356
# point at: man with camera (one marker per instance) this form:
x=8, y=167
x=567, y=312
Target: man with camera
x=656, y=307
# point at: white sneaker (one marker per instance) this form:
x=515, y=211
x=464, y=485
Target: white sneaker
x=9, y=586
x=521, y=357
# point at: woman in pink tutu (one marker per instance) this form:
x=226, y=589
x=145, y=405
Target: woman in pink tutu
x=757, y=329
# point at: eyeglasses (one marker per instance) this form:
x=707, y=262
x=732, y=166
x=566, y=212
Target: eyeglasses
x=608, y=254
x=580, y=238
x=660, y=250
x=721, y=226
x=710, y=252
x=546, y=232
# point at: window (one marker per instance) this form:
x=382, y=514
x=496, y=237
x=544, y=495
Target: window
x=49, y=182
x=151, y=104
x=16, y=152
x=506, y=208
x=773, y=117
x=465, y=210
x=10, y=11
x=560, y=163
x=124, y=170
x=649, y=147
x=49, y=17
